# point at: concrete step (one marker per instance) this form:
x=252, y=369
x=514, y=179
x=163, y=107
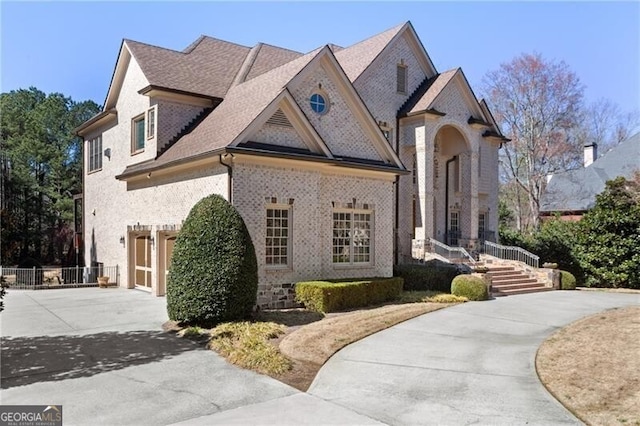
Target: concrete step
x=518, y=285
x=513, y=280
x=508, y=275
x=520, y=291
x=495, y=269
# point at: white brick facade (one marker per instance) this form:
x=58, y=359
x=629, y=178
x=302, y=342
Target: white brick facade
x=155, y=203
x=339, y=128
x=312, y=193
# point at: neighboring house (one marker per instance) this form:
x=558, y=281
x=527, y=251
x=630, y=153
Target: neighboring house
x=573, y=193
x=310, y=148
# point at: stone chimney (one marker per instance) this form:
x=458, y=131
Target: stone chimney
x=590, y=153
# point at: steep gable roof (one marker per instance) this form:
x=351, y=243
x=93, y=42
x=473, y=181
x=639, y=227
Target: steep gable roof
x=242, y=104
x=207, y=67
x=270, y=57
x=576, y=190
x=356, y=58
x=424, y=96
x=227, y=125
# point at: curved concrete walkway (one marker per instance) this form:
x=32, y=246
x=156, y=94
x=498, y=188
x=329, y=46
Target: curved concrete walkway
x=472, y=363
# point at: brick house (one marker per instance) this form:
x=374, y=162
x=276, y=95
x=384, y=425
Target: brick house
x=569, y=195
x=336, y=159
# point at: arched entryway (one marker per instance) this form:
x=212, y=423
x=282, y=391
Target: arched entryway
x=452, y=186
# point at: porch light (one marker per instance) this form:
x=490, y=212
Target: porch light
x=122, y=239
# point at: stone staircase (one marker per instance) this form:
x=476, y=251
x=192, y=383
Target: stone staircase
x=508, y=280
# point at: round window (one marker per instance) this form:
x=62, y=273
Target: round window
x=318, y=103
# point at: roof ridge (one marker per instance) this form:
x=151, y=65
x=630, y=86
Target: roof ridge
x=247, y=64
x=128, y=40
x=280, y=47
x=397, y=28
x=189, y=49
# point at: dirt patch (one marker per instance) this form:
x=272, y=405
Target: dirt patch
x=593, y=367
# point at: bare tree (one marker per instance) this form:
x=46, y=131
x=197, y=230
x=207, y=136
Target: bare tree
x=538, y=103
x=605, y=124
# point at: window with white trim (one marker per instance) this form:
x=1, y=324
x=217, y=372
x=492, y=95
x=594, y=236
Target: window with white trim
x=401, y=78
x=278, y=239
x=151, y=123
x=352, y=235
x=137, y=134
x=95, y=154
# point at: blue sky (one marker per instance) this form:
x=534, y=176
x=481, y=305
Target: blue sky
x=71, y=47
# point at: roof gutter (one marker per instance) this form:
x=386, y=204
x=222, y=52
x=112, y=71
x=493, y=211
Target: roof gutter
x=126, y=175
x=96, y=120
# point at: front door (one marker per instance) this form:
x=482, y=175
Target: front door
x=142, y=261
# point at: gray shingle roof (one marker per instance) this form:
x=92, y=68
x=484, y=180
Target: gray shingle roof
x=356, y=58
x=576, y=190
x=424, y=96
x=208, y=68
x=242, y=104
x=248, y=80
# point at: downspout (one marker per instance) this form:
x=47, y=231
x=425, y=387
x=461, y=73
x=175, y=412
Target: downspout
x=396, y=231
x=230, y=176
x=446, y=199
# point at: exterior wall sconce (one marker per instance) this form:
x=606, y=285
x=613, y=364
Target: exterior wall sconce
x=151, y=240
x=122, y=240
x=107, y=153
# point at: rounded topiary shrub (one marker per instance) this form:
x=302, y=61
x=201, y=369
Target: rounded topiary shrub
x=214, y=273
x=567, y=281
x=470, y=286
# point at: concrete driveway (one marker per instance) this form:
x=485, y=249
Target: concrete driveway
x=472, y=363
x=101, y=353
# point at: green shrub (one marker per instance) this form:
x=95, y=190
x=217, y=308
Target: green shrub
x=567, y=281
x=332, y=296
x=214, y=274
x=608, y=244
x=470, y=286
x=433, y=275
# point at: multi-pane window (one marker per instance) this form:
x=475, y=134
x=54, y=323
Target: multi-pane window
x=95, y=154
x=481, y=225
x=454, y=228
x=137, y=134
x=151, y=123
x=352, y=237
x=278, y=240
x=318, y=103
x=401, y=78
x=414, y=171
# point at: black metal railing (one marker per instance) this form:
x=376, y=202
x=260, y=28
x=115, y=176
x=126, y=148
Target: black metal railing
x=41, y=278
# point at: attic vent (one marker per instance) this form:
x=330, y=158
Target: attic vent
x=279, y=119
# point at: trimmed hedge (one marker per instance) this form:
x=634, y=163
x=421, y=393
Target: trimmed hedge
x=333, y=296
x=214, y=272
x=471, y=287
x=567, y=281
x=433, y=275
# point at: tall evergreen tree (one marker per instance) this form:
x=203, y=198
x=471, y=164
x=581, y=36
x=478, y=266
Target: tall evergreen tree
x=41, y=170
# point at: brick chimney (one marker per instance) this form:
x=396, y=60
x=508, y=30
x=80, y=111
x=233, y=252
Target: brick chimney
x=590, y=153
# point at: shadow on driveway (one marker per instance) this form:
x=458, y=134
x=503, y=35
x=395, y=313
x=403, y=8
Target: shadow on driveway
x=27, y=360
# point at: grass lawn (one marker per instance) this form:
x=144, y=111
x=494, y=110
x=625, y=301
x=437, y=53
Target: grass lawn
x=593, y=367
